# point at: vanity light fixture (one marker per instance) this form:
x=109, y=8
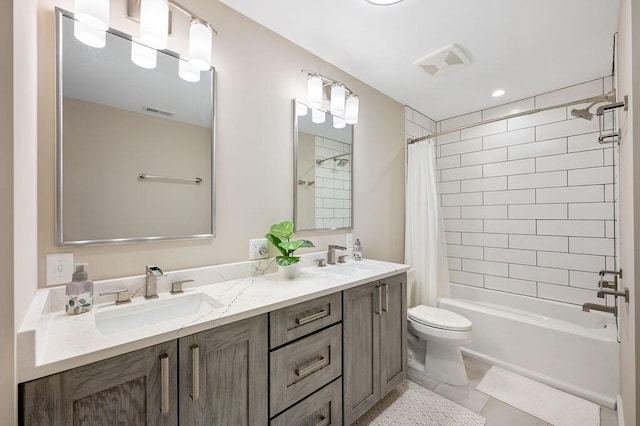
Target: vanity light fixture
x=143, y=56
x=318, y=116
x=344, y=104
x=89, y=35
x=154, y=23
x=338, y=122
x=200, y=41
x=93, y=13
x=188, y=72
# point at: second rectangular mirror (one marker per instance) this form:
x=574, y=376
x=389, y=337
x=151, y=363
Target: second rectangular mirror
x=323, y=178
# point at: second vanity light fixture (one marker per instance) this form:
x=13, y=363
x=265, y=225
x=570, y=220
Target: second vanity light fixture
x=344, y=104
x=92, y=23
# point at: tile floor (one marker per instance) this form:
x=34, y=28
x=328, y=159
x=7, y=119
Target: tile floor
x=495, y=411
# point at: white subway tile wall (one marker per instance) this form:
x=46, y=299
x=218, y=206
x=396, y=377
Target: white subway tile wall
x=333, y=185
x=529, y=201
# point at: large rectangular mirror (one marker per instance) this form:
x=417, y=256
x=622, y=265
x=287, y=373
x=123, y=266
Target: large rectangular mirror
x=135, y=146
x=323, y=178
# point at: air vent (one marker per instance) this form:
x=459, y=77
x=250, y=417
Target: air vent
x=443, y=61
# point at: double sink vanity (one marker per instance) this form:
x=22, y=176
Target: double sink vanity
x=240, y=346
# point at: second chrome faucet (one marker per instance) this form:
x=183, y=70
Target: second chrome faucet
x=151, y=282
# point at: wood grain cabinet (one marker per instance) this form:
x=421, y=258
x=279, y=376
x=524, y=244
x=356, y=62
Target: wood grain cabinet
x=137, y=388
x=375, y=349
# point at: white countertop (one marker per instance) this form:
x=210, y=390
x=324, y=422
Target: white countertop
x=51, y=342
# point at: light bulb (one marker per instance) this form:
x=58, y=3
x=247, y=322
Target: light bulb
x=352, y=109
x=143, y=56
x=154, y=23
x=338, y=94
x=200, y=41
x=314, y=91
x=89, y=35
x=301, y=109
x=94, y=13
x=338, y=122
x=188, y=72
x=318, y=116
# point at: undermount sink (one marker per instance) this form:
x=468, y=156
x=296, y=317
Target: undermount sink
x=131, y=317
x=353, y=269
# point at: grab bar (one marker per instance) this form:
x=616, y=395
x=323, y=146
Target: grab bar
x=146, y=176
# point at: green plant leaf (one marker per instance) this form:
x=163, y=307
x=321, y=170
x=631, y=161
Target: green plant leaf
x=291, y=246
x=307, y=243
x=283, y=230
x=287, y=260
x=276, y=242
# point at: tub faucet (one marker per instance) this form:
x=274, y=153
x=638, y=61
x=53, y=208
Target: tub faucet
x=331, y=256
x=608, y=292
x=151, y=284
x=604, y=308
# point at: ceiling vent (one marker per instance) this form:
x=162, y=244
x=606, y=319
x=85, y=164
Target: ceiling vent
x=443, y=61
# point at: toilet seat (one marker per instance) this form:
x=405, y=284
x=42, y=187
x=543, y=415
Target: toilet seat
x=439, y=318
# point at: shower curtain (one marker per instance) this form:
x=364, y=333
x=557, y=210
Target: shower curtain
x=425, y=244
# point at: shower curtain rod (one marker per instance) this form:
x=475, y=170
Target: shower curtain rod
x=611, y=97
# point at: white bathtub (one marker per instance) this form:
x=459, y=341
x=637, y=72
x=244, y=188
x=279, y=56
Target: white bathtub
x=552, y=342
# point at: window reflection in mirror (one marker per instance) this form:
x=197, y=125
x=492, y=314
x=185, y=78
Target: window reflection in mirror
x=323, y=173
x=116, y=121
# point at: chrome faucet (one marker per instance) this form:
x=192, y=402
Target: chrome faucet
x=609, y=292
x=331, y=255
x=604, y=308
x=151, y=288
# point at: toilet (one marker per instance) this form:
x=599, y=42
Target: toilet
x=435, y=336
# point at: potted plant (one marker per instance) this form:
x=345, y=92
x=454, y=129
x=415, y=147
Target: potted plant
x=280, y=236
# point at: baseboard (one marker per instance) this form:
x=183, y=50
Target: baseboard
x=620, y=410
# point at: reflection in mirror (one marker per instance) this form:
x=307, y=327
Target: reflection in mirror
x=323, y=196
x=134, y=145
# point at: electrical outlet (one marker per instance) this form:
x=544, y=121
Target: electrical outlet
x=258, y=249
x=349, y=242
x=59, y=268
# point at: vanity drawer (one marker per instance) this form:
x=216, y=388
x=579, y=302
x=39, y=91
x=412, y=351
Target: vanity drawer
x=301, y=368
x=323, y=408
x=296, y=321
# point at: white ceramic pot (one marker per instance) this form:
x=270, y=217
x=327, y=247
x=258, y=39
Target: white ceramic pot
x=289, y=272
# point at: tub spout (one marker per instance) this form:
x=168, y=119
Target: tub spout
x=604, y=308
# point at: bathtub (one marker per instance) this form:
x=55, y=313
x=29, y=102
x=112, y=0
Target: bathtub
x=551, y=342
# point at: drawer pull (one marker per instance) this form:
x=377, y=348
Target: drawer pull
x=195, y=372
x=385, y=307
x=323, y=421
x=306, y=320
x=322, y=362
x=379, y=290
x=164, y=369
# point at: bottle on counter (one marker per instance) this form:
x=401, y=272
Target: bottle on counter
x=357, y=250
x=79, y=292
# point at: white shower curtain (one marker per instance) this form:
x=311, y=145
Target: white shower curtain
x=425, y=245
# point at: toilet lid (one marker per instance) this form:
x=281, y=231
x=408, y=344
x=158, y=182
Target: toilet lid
x=439, y=318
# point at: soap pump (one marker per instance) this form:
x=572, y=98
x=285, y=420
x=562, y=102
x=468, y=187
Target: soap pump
x=357, y=250
x=79, y=292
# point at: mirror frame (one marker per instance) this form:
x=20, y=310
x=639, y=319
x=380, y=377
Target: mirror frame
x=59, y=228
x=295, y=176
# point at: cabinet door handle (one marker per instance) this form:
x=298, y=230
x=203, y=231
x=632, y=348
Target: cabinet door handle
x=164, y=368
x=195, y=372
x=386, y=298
x=311, y=368
x=323, y=421
x=306, y=320
x=379, y=299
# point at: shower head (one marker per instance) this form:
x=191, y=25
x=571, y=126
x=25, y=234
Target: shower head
x=583, y=113
x=341, y=162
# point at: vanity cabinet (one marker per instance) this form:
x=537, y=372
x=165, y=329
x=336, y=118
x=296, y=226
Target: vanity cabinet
x=137, y=388
x=223, y=375
x=375, y=348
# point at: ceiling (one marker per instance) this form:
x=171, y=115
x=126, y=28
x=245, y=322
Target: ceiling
x=525, y=47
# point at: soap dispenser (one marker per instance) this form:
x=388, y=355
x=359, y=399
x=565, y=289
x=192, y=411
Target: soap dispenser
x=357, y=250
x=79, y=292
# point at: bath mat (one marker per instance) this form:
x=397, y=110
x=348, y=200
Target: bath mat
x=544, y=402
x=412, y=405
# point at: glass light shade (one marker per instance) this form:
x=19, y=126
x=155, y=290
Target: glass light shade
x=188, y=72
x=352, y=109
x=314, y=92
x=338, y=94
x=94, y=13
x=200, y=43
x=318, y=116
x=154, y=23
x=338, y=122
x=89, y=35
x=143, y=56
x=301, y=109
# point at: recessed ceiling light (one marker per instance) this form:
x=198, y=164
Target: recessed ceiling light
x=384, y=2
x=498, y=93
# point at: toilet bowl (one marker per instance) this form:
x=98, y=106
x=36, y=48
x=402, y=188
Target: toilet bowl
x=436, y=335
